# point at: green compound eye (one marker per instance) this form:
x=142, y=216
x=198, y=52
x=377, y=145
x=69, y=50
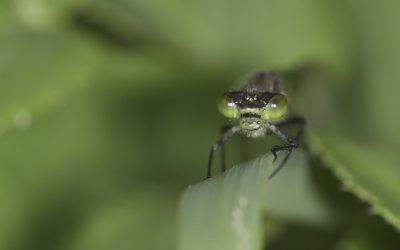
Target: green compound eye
x=227, y=107
x=276, y=108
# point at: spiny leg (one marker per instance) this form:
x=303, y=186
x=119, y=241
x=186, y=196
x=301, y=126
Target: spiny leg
x=290, y=144
x=275, y=149
x=300, y=123
x=221, y=140
x=291, y=120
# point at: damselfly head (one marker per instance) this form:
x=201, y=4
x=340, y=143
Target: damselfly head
x=253, y=109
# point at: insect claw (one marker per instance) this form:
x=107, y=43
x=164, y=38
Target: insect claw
x=275, y=156
x=273, y=151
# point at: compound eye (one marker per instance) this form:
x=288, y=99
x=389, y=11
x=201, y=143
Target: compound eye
x=276, y=107
x=227, y=107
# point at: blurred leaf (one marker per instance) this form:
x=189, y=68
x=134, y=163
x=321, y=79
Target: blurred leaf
x=135, y=221
x=244, y=35
x=51, y=168
x=376, y=88
x=370, y=233
x=68, y=189
x=42, y=15
x=371, y=176
x=310, y=238
x=39, y=71
x=128, y=70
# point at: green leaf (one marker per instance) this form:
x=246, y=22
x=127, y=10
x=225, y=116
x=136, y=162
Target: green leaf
x=365, y=171
x=226, y=212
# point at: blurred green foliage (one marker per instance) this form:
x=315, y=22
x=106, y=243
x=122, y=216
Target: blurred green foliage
x=107, y=112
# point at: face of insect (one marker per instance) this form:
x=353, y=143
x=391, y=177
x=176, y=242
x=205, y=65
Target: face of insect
x=253, y=110
x=251, y=119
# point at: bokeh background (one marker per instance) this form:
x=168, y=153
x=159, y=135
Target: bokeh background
x=108, y=107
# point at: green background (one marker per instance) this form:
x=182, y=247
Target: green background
x=108, y=110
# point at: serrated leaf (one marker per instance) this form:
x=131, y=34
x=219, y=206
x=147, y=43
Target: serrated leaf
x=364, y=172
